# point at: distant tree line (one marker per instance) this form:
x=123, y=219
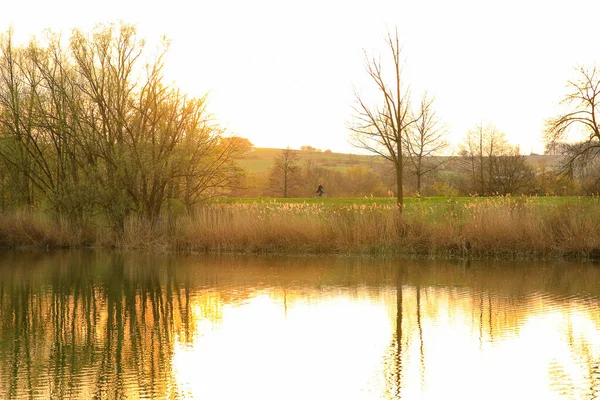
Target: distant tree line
x=486, y=165
x=413, y=138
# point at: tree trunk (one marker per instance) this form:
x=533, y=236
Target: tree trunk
x=482, y=181
x=399, y=176
x=400, y=201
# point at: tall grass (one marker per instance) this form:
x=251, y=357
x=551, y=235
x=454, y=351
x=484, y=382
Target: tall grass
x=24, y=229
x=495, y=227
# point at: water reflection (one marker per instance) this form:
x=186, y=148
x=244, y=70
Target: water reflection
x=502, y=334
x=81, y=325
x=78, y=326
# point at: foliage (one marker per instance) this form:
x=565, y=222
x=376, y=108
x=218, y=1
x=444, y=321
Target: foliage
x=362, y=181
x=93, y=128
x=444, y=189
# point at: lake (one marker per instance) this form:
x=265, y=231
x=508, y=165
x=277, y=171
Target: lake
x=108, y=325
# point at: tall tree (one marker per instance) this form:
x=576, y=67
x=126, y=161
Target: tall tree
x=94, y=123
x=581, y=117
x=284, y=175
x=380, y=128
x=425, y=140
x=23, y=148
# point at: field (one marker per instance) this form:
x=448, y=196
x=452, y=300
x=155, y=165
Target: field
x=410, y=203
x=261, y=159
x=499, y=227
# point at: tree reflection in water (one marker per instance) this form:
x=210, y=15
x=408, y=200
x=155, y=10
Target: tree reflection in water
x=536, y=327
x=80, y=325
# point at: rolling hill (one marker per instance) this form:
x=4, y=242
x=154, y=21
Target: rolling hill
x=261, y=159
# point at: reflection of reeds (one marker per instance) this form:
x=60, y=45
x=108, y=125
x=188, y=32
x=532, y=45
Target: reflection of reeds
x=504, y=226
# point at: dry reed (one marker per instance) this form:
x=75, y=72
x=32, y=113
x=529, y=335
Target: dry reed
x=495, y=227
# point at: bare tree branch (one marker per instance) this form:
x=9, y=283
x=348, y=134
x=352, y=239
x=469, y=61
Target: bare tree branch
x=380, y=128
x=424, y=140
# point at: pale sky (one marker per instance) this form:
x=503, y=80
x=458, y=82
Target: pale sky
x=283, y=73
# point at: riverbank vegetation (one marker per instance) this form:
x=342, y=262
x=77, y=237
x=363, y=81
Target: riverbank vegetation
x=507, y=227
x=97, y=150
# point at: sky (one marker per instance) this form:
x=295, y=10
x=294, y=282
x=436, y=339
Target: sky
x=284, y=73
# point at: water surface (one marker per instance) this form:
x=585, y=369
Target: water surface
x=85, y=325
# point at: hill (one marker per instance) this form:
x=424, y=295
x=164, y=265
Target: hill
x=261, y=159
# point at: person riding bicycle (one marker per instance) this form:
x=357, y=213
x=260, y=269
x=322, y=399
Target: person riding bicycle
x=320, y=191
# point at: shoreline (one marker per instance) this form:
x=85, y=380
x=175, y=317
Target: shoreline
x=495, y=228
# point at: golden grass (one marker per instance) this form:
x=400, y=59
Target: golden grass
x=25, y=229
x=497, y=227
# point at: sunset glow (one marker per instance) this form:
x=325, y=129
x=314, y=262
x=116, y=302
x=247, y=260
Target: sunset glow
x=283, y=74
x=345, y=345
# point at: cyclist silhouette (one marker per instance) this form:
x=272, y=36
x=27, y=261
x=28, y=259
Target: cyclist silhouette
x=320, y=192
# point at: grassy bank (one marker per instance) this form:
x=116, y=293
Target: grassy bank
x=496, y=227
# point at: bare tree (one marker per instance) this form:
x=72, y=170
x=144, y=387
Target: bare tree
x=425, y=140
x=312, y=173
x=581, y=117
x=512, y=174
x=380, y=128
x=494, y=166
x=284, y=176
x=473, y=152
